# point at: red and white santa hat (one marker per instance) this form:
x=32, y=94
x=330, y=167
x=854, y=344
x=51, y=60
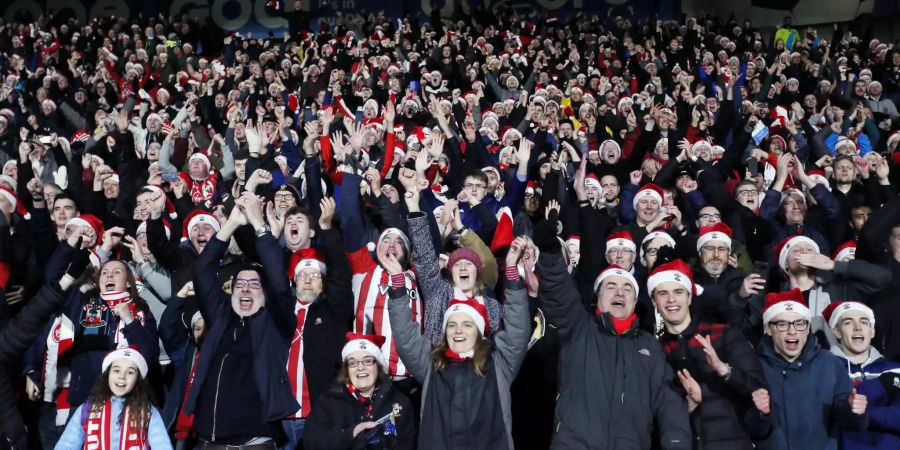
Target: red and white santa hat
x=306, y=258
x=782, y=248
x=790, y=301
x=835, y=310
x=512, y=132
x=818, y=176
x=615, y=146
x=130, y=353
x=365, y=343
x=471, y=308
x=615, y=270
x=591, y=181
x=170, y=207
x=11, y=197
x=197, y=217
x=573, y=240
x=716, y=232
x=695, y=147
x=493, y=169
x=142, y=228
x=844, y=250
x=91, y=221
x=657, y=234
x=202, y=156
x=677, y=272
x=620, y=239
x=649, y=190
x=894, y=137
x=844, y=140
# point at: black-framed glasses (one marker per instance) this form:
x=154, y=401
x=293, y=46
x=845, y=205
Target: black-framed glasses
x=783, y=325
x=303, y=276
x=367, y=362
x=253, y=284
x=710, y=217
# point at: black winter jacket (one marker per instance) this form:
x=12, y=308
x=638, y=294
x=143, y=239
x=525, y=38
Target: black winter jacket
x=726, y=418
x=611, y=388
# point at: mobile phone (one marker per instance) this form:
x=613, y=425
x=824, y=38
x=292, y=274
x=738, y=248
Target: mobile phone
x=761, y=268
x=169, y=177
x=753, y=167
x=414, y=85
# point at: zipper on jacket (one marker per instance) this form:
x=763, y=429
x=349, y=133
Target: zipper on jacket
x=216, y=401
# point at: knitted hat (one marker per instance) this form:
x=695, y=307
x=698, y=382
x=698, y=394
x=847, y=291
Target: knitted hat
x=11, y=197
x=782, y=248
x=130, y=353
x=649, y=190
x=790, y=301
x=389, y=231
x=365, y=343
x=464, y=253
x=89, y=220
x=614, y=270
x=716, y=232
x=676, y=271
x=620, y=239
x=197, y=217
x=306, y=258
x=844, y=250
x=470, y=308
x=835, y=310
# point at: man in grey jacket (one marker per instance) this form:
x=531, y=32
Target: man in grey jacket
x=614, y=381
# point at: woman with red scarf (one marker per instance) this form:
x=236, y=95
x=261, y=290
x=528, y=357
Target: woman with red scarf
x=118, y=415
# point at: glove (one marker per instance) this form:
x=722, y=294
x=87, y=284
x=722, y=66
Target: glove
x=890, y=381
x=544, y=237
x=79, y=262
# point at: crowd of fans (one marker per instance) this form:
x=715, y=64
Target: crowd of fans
x=483, y=232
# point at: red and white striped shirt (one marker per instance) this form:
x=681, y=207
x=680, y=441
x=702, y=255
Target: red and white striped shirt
x=371, y=284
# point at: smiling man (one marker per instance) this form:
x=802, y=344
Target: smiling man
x=717, y=367
x=804, y=378
x=873, y=375
x=239, y=395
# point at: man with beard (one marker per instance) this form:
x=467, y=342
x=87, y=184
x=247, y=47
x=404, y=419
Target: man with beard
x=324, y=309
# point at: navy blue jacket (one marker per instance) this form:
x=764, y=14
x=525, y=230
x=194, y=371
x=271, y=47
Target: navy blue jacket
x=271, y=328
x=883, y=407
x=809, y=397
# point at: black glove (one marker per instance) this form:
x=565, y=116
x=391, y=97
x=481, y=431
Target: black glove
x=79, y=262
x=890, y=381
x=544, y=237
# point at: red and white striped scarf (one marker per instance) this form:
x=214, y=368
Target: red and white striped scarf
x=98, y=430
x=56, y=366
x=115, y=298
x=296, y=370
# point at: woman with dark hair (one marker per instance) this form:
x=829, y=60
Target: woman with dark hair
x=105, y=313
x=119, y=413
x=466, y=376
x=363, y=410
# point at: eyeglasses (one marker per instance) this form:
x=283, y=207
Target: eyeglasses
x=710, y=217
x=783, y=325
x=714, y=250
x=303, y=276
x=620, y=250
x=745, y=193
x=253, y=284
x=367, y=362
x=474, y=186
x=283, y=197
x=651, y=252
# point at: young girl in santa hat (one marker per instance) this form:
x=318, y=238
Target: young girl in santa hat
x=118, y=414
x=465, y=377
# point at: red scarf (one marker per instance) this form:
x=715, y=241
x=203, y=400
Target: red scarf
x=202, y=191
x=620, y=325
x=56, y=366
x=98, y=428
x=296, y=370
x=365, y=401
x=184, y=424
x=116, y=298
